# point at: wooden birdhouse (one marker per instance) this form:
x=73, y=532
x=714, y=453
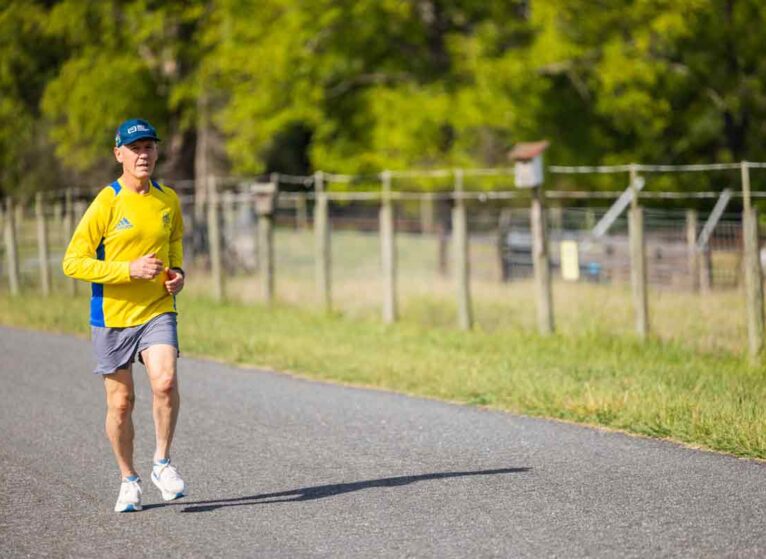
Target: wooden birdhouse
x=528, y=163
x=265, y=197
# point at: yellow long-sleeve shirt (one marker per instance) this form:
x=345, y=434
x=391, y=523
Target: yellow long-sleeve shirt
x=121, y=226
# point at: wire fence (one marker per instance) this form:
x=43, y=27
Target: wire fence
x=695, y=291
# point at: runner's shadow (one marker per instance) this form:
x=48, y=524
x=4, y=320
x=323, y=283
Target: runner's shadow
x=324, y=491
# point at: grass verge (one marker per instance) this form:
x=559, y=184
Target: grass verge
x=658, y=389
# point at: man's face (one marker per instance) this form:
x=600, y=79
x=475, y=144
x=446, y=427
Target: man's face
x=138, y=159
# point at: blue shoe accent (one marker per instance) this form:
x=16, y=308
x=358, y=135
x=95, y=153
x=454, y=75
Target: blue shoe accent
x=163, y=462
x=132, y=478
x=130, y=508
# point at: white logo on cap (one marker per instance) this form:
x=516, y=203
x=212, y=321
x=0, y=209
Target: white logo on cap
x=138, y=128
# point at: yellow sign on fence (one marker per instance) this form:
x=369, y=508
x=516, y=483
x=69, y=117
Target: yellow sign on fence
x=570, y=261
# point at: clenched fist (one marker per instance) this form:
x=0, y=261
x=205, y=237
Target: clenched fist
x=146, y=267
x=175, y=281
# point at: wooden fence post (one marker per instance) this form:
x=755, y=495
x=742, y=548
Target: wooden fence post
x=442, y=237
x=388, y=250
x=556, y=214
x=541, y=262
x=301, y=212
x=462, y=260
x=753, y=285
x=42, y=245
x=229, y=216
x=20, y=214
x=503, y=242
x=753, y=273
x=427, y=208
x=706, y=269
x=692, y=253
x=11, y=247
x=68, y=226
x=265, y=200
x=58, y=214
x=214, y=237
x=80, y=207
x=638, y=260
x=322, y=237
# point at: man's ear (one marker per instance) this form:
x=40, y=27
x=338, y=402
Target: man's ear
x=118, y=155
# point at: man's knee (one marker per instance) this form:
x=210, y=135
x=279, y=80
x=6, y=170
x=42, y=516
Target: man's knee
x=121, y=403
x=164, y=384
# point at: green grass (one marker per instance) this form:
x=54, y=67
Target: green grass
x=659, y=388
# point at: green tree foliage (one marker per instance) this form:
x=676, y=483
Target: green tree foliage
x=28, y=59
x=125, y=59
x=389, y=83
x=361, y=85
x=679, y=81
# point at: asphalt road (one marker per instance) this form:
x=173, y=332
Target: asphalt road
x=283, y=467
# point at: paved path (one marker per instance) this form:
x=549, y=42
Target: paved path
x=283, y=467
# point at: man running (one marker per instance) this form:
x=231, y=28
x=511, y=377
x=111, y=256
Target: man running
x=129, y=246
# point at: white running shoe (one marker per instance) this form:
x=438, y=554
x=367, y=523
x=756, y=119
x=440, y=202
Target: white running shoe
x=130, y=495
x=166, y=478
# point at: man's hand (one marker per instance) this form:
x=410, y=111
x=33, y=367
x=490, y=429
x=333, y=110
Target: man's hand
x=146, y=267
x=175, y=281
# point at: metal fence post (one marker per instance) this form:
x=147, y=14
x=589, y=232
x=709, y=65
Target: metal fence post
x=42, y=245
x=462, y=261
x=388, y=250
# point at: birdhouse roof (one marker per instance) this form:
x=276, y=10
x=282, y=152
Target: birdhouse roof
x=528, y=150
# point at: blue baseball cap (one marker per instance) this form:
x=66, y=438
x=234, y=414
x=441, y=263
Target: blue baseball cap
x=132, y=130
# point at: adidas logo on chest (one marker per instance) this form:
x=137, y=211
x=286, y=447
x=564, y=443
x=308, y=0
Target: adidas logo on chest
x=123, y=224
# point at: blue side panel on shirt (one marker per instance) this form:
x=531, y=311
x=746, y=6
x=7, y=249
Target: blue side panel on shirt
x=97, y=293
x=156, y=185
x=116, y=187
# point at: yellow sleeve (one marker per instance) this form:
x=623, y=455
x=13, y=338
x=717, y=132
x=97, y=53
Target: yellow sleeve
x=80, y=260
x=176, y=255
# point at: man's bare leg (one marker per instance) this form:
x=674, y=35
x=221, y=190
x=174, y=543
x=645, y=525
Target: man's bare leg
x=160, y=361
x=120, y=398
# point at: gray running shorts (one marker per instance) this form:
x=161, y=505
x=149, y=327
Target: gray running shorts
x=116, y=348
